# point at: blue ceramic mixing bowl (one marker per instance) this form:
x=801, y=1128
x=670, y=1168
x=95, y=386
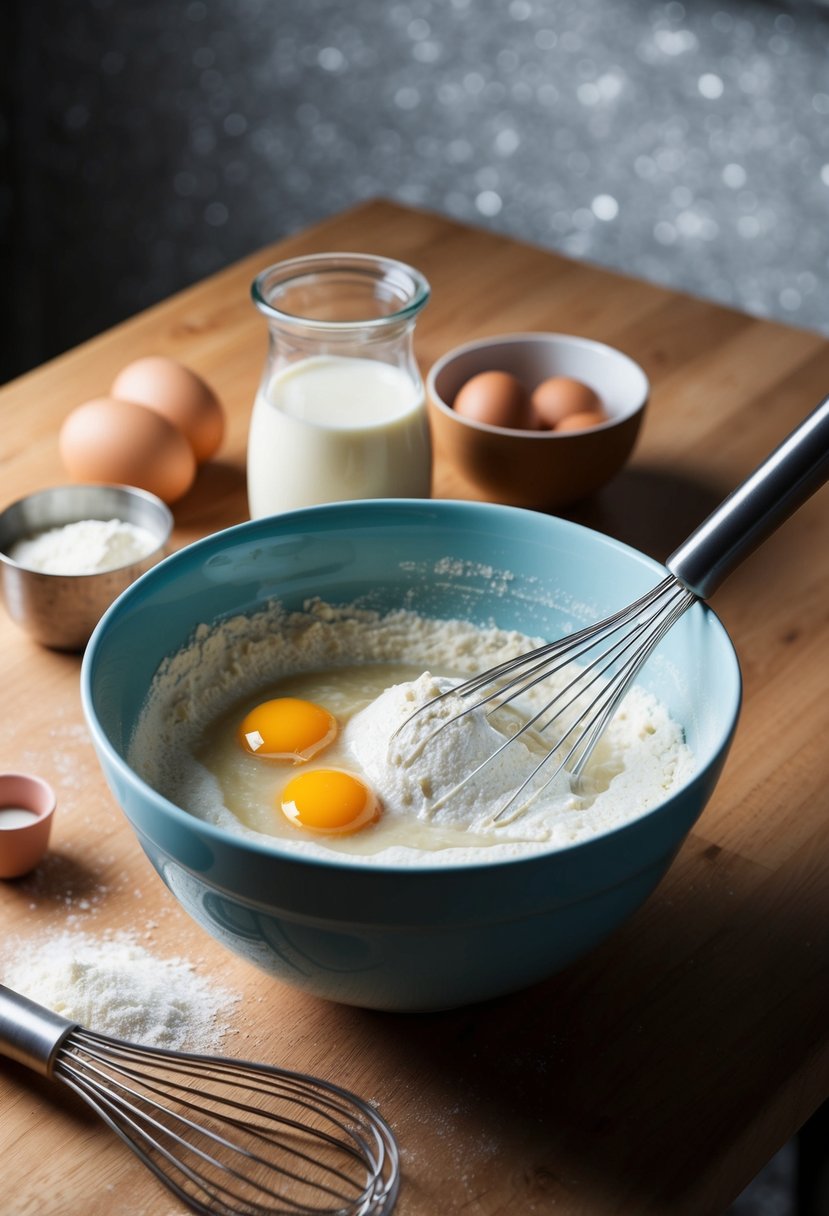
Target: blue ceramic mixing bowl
x=393, y=937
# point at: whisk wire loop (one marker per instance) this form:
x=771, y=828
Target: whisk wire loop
x=144, y=1135
x=147, y=1119
x=601, y=660
x=176, y=1065
x=771, y=494
x=612, y=672
x=232, y=1139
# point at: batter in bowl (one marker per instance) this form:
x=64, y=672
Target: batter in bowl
x=368, y=672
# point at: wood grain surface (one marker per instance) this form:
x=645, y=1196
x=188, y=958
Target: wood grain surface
x=657, y=1075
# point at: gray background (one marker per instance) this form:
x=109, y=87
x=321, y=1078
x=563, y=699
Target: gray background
x=148, y=144
x=144, y=145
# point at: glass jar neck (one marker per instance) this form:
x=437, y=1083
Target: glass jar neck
x=392, y=344
x=341, y=297
x=341, y=304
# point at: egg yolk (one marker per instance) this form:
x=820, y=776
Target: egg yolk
x=329, y=801
x=287, y=728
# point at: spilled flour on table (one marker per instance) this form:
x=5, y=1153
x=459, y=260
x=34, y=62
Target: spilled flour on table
x=113, y=985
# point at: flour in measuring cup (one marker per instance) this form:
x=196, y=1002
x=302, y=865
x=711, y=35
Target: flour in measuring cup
x=88, y=546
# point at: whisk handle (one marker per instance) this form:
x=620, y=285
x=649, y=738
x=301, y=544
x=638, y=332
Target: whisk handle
x=29, y=1033
x=792, y=473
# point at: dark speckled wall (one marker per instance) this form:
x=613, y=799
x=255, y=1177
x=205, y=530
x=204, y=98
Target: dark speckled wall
x=149, y=142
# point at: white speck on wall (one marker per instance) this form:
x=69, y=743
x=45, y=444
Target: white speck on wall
x=675, y=42
x=734, y=176
x=331, y=59
x=407, y=98
x=488, y=202
x=711, y=85
x=605, y=207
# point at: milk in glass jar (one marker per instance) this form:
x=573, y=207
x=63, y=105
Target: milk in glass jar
x=340, y=412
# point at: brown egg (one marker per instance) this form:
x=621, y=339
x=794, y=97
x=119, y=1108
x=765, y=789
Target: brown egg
x=496, y=398
x=127, y=444
x=581, y=421
x=176, y=392
x=558, y=396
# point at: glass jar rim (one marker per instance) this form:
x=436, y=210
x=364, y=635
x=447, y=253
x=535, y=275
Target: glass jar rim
x=414, y=286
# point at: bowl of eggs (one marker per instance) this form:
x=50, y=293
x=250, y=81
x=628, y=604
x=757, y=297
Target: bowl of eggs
x=251, y=703
x=536, y=420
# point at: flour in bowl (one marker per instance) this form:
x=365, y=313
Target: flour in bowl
x=370, y=670
x=424, y=764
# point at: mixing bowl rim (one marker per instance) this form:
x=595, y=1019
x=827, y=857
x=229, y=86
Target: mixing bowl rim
x=364, y=865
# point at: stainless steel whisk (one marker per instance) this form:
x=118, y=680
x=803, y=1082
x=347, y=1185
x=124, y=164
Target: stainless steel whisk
x=610, y=653
x=226, y=1136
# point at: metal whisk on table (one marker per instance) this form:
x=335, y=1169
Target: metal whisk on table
x=227, y=1137
x=602, y=660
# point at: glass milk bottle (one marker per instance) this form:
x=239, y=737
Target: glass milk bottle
x=340, y=412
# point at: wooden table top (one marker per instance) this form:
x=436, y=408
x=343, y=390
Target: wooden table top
x=659, y=1074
